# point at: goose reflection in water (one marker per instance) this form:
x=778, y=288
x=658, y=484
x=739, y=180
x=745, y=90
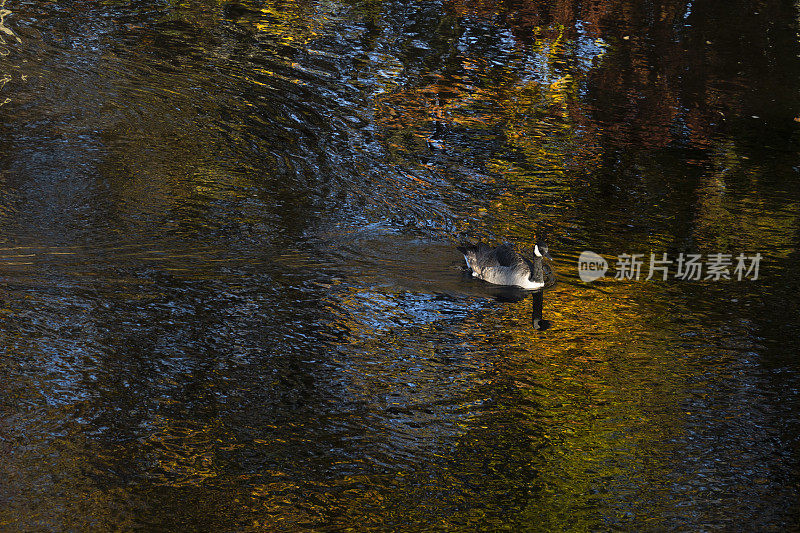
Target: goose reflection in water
x=516, y=294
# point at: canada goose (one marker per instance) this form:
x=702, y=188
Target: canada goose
x=503, y=265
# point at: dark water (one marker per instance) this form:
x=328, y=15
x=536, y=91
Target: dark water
x=230, y=298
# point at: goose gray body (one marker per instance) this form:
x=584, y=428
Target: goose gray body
x=505, y=266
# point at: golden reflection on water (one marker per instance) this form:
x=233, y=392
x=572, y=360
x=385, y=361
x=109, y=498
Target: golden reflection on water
x=181, y=454
x=6, y=34
x=736, y=210
x=601, y=397
x=605, y=390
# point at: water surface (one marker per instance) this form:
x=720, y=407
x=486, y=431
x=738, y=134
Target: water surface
x=231, y=299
